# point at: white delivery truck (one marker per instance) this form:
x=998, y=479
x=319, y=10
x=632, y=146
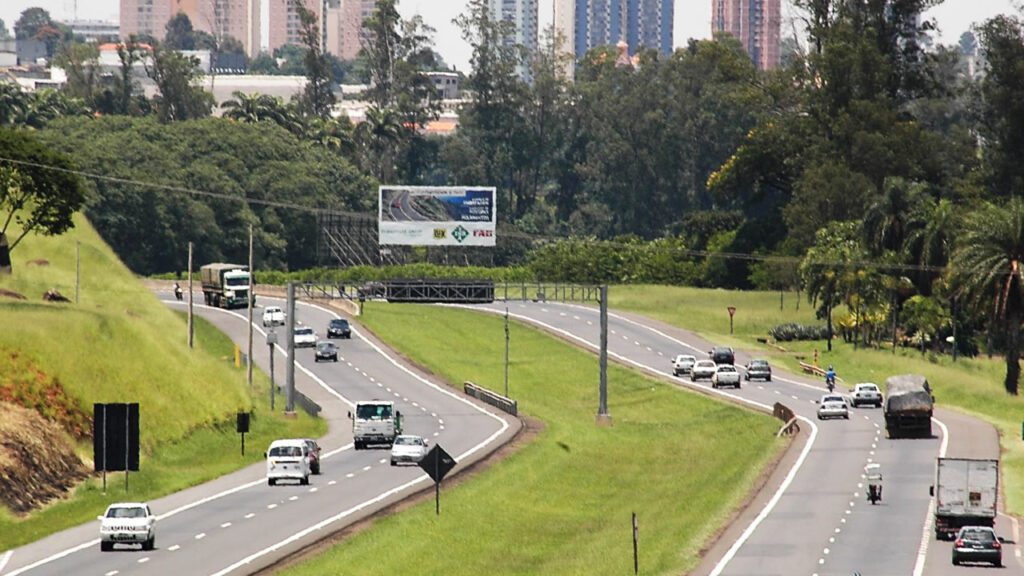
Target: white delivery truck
x=965, y=493
x=375, y=422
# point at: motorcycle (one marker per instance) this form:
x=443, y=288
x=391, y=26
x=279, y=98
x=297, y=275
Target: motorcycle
x=830, y=382
x=873, y=474
x=177, y=292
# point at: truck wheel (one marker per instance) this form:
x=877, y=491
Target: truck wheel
x=271, y=482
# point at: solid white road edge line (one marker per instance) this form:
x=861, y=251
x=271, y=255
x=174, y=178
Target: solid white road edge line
x=323, y=523
x=926, y=532
x=5, y=559
x=785, y=483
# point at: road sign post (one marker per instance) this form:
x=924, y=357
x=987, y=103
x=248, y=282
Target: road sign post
x=437, y=464
x=732, y=311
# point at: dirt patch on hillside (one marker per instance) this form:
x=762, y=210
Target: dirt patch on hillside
x=11, y=294
x=37, y=460
x=24, y=383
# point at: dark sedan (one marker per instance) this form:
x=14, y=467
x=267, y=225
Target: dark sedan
x=339, y=328
x=759, y=370
x=326, y=351
x=977, y=544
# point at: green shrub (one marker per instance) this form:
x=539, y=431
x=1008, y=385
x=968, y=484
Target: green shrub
x=793, y=331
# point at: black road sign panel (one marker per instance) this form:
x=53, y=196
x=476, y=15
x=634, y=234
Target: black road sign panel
x=437, y=463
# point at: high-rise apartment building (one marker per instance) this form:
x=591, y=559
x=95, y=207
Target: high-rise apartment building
x=353, y=13
x=755, y=23
x=239, y=19
x=586, y=24
x=145, y=17
x=523, y=15
x=285, y=27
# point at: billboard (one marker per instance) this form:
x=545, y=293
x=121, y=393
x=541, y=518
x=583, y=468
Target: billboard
x=437, y=215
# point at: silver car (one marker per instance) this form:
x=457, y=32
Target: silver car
x=832, y=406
x=703, y=369
x=682, y=364
x=725, y=375
x=866, y=393
x=408, y=448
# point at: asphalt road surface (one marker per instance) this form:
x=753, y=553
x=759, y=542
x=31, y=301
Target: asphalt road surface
x=818, y=520
x=240, y=523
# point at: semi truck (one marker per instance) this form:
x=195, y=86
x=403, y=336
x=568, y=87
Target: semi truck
x=908, y=406
x=226, y=285
x=965, y=492
x=375, y=422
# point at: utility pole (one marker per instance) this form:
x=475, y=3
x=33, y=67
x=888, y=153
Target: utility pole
x=78, y=265
x=506, y=351
x=290, y=367
x=603, y=417
x=190, y=327
x=251, y=298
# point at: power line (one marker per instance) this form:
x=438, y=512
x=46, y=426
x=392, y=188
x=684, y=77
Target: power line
x=794, y=260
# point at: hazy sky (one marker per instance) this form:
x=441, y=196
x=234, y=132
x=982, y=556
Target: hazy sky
x=692, y=18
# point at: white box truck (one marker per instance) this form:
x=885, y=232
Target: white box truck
x=965, y=494
x=375, y=422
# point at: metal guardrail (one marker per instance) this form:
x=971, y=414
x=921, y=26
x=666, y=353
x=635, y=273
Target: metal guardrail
x=497, y=400
x=305, y=402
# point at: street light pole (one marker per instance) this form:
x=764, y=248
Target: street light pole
x=506, y=351
x=602, y=408
x=290, y=367
x=249, y=304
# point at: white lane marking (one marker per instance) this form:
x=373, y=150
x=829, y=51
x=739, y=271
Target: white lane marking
x=365, y=468
x=441, y=427
x=589, y=323
x=423, y=408
x=379, y=385
x=436, y=433
x=226, y=525
x=250, y=515
x=5, y=558
x=926, y=531
x=562, y=314
x=543, y=309
x=433, y=414
x=111, y=573
x=575, y=317
x=415, y=404
x=659, y=353
x=350, y=475
x=404, y=399
x=773, y=501
x=313, y=489
x=173, y=548
x=201, y=535
x=371, y=379
x=649, y=349
x=293, y=498
x=388, y=389
x=143, y=560
x=349, y=364
x=383, y=460
x=626, y=338
x=440, y=421
x=271, y=506
x=332, y=482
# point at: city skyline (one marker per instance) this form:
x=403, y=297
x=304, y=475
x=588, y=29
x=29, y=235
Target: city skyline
x=692, y=18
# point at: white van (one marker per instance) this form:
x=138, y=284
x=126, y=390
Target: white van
x=288, y=459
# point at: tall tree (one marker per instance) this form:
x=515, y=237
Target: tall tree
x=179, y=34
x=31, y=22
x=1002, y=92
x=179, y=98
x=80, y=62
x=4, y=32
x=830, y=267
x=988, y=273
x=318, y=96
x=37, y=189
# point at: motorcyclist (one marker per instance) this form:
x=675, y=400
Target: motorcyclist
x=830, y=378
x=177, y=291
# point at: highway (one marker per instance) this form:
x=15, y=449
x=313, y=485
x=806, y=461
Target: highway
x=817, y=520
x=811, y=519
x=238, y=525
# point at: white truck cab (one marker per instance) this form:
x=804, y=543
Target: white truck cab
x=288, y=460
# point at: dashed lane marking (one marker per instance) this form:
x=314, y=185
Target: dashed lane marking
x=201, y=535
x=226, y=525
x=250, y=515
x=173, y=548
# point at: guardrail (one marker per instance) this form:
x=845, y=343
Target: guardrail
x=785, y=413
x=497, y=400
x=305, y=402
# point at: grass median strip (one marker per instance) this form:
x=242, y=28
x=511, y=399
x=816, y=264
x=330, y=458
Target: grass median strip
x=562, y=504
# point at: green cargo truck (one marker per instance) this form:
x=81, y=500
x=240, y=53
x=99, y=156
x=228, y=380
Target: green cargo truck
x=226, y=285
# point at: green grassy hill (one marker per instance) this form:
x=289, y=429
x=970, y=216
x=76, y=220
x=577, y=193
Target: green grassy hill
x=120, y=344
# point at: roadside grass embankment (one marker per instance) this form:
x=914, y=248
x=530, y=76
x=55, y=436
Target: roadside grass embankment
x=121, y=344
x=562, y=503
x=970, y=385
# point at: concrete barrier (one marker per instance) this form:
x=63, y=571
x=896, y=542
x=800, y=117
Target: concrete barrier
x=497, y=400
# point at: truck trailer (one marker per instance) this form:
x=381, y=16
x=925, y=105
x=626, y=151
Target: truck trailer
x=226, y=285
x=965, y=492
x=908, y=406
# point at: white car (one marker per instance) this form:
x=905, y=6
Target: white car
x=725, y=375
x=273, y=316
x=408, y=448
x=682, y=364
x=288, y=460
x=866, y=393
x=127, y=523
x=703, y=369
x=832, y=406
x=305, y=337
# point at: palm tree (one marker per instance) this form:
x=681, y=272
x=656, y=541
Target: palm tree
x=932, y=229
x=336, y=134
x=886, y=219
x=987, y=271
x=13, y=102
x=257, y=107
x=379, y=135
